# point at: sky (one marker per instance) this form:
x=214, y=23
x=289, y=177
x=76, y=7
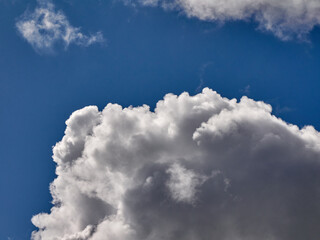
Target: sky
x=57, y=57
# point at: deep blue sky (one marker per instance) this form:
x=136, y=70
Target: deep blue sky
x=149, y=52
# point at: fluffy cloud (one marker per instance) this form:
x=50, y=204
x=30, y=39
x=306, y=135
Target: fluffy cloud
x=46, y=27
x=286, y=19
x=197, y=167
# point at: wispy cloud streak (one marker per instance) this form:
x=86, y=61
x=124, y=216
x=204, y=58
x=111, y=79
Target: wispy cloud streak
x=45, y=27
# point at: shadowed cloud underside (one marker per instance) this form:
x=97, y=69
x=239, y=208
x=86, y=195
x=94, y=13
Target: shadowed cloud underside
x=286, y=19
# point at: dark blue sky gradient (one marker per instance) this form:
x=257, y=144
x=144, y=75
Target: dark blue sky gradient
x=149, y=53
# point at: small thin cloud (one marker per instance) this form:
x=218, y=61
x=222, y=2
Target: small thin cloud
x=284, y=109
x=245, y=90
x=45, y=27
x=202, y=71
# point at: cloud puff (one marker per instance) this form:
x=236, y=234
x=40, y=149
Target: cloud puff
x=197, y=167
x=287, y=19
x=46, y=27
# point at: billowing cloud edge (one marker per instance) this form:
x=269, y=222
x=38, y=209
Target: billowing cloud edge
x=196, y=167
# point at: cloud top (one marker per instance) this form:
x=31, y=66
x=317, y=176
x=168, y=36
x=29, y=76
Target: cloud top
x=45, y=27
x=287, y=19
x=197, y=167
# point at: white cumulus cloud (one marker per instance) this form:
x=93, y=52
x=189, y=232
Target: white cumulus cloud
x=197, y=167
x=45, y=27
x=287, y=19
